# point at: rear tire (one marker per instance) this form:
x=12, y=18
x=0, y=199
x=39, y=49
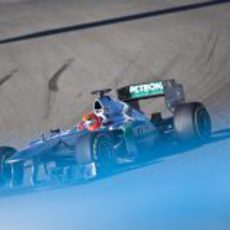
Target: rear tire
x=192, y=122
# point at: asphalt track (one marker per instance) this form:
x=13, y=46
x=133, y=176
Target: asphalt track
x=45, y=83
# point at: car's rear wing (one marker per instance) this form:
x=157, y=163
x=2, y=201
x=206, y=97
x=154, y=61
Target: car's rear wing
x=172, y=91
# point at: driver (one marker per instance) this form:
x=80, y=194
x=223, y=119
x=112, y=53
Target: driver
x=90, y=121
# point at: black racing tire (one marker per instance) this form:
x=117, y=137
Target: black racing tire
x=10, y=174
x=192, y=122
x=103, y=154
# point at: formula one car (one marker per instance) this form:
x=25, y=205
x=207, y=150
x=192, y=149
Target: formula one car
x=124, y=134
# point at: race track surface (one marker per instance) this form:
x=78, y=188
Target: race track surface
x=46, y=83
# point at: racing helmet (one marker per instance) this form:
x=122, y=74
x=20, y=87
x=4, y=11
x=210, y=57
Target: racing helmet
x=91, y=121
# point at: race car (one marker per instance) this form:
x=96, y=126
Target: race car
x=116, y=132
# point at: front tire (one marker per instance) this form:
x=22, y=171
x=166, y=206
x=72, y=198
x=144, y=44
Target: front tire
x=95, y=155
x=10, y=174
x=103, y=154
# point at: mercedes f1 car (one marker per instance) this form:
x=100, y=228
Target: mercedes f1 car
x=124, y=136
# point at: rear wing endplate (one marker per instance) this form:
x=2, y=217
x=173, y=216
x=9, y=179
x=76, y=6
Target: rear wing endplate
x=169, y=89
